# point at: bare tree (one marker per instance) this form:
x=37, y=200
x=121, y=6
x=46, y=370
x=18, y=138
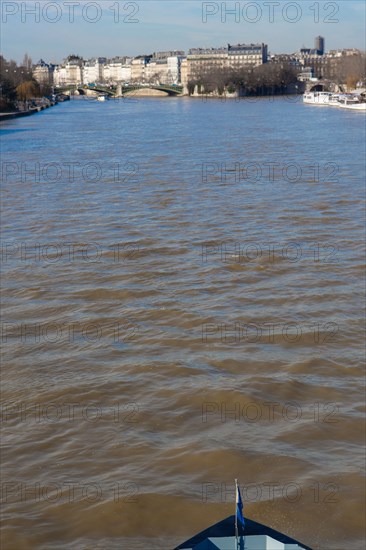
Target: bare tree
x=27, y=62
x=348, y=69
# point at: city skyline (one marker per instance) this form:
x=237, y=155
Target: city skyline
x=110, y=29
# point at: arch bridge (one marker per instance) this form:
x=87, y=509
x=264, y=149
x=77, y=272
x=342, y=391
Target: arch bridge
x=139, y=89
x=118, y=91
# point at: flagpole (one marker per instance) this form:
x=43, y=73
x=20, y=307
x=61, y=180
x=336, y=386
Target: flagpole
x=236, y=514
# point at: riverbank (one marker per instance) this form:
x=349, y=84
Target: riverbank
x=18, y=114
x=33, y=110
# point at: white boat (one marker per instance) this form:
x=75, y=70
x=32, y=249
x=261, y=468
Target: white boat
x=352, y=103
x=334, y=99
x=101, y=98
x=317, y=98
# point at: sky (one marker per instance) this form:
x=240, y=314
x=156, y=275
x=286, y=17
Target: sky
x=53, y=29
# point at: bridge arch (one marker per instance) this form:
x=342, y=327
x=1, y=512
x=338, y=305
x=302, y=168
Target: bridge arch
x=319, y=88
x=146, y=92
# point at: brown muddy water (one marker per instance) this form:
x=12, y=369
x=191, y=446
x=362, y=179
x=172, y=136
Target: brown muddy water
x=182, y=305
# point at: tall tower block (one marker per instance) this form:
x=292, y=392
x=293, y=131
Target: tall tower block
x=319, y=45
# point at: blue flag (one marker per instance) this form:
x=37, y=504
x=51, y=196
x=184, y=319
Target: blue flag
x=239, y=507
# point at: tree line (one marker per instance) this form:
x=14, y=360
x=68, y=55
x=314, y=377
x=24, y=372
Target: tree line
x=266, y=79
x=347, y=70
x=17, y=83
x=275, y=77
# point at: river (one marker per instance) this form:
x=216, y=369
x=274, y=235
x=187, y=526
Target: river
x=182, y=306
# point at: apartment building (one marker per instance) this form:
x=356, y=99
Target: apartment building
x=43, y=73
x=70, y=73
x=93, y=70
x=241, y=55
x=159, y=68
x=138, y=65
x=164, y=68
x=203, y=60
x=117, y=70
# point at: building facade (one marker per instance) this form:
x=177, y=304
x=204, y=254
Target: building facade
x=70, y=73
x=159, y=68
x=241, y=55
x=93, y=70
x=138, y=64
x=118, y=70
x=164, y=68
x=43, y=73
x=202, y=61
